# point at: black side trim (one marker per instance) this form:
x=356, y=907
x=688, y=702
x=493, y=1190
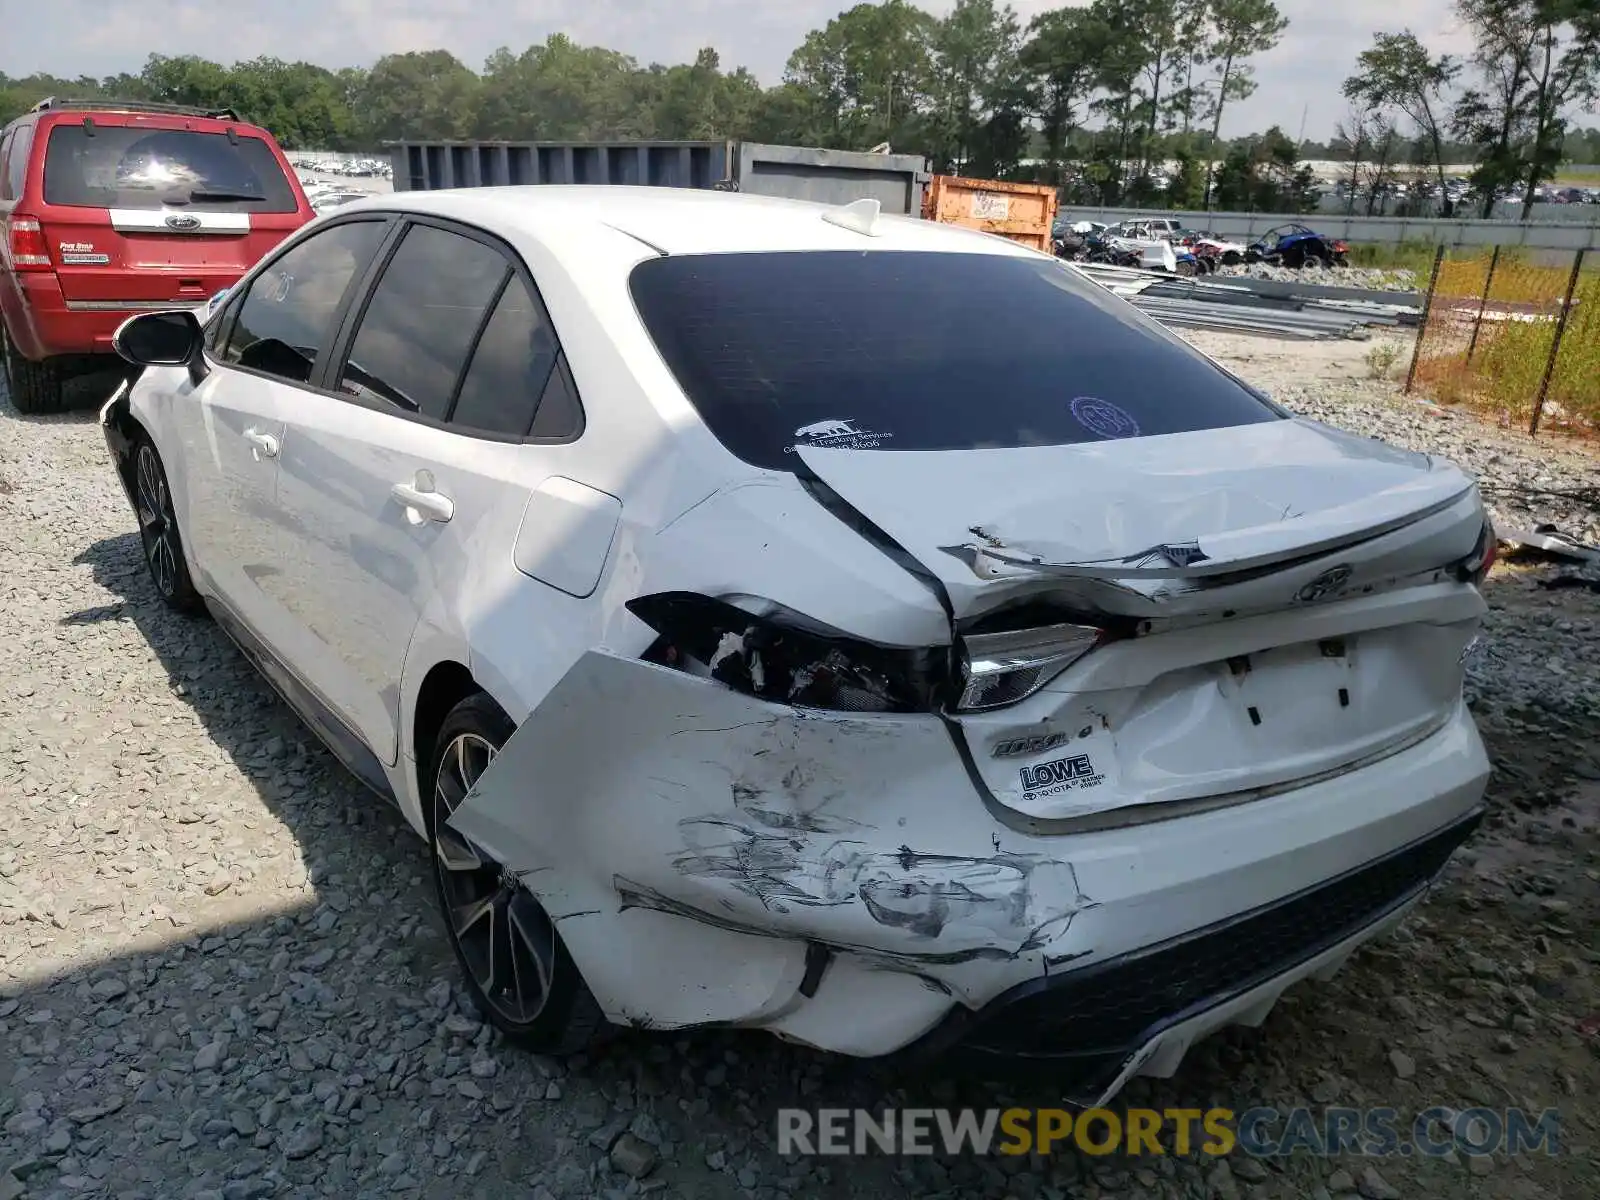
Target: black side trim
x=342, y=742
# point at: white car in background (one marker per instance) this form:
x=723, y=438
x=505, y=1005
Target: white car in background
x=766, y=628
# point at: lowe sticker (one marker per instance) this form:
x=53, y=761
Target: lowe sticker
x=1103, y=418
x=1060, y=775
x=837, y=433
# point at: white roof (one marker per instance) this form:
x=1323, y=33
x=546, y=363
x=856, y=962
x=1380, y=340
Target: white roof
x=685, y=220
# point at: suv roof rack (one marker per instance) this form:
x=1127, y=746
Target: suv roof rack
x=52, y=104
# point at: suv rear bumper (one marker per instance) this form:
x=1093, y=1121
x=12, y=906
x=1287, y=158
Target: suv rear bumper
x=47, y=325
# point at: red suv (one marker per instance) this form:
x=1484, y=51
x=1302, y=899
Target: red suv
x=109, y=209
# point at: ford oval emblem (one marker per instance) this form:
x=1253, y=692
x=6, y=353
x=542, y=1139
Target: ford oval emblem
x=183, y=222
x=1329, y=582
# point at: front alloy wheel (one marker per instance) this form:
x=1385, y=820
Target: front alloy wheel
x=158, y=531
x=519, y=973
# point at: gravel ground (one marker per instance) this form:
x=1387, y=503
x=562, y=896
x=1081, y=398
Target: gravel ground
x=220, y=974
x=1382, y=279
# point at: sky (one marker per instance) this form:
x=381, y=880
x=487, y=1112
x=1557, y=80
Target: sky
x=1300, y=78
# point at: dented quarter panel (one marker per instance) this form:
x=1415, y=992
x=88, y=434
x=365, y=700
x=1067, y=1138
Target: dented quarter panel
x=653, y=809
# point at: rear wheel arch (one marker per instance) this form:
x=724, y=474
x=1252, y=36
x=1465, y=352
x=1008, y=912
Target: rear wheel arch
x=446, y=684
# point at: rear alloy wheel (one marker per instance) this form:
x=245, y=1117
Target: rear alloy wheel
x=518, y=971
x=158, y=531
x=34, y=387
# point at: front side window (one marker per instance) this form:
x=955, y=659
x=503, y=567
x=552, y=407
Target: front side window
x=897, y=350
x=286, y=319
x=134, y=166
x=422, y=319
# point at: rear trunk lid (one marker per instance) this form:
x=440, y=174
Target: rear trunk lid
x=1161, y=526
x=145, y=211
x=1288, y=584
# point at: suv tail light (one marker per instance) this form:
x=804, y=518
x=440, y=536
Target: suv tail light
x=998, y=669
x=27, y=246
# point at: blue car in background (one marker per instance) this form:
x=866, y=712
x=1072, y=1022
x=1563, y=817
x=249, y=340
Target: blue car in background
x=1296, y=245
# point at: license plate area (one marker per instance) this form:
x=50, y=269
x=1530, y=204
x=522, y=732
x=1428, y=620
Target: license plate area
x=1289, y=686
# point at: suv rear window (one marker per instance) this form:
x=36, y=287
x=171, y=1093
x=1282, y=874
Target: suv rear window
x=900, y=350
x=135, y=166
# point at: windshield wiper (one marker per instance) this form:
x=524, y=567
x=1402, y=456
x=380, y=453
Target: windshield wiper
x=203, y=196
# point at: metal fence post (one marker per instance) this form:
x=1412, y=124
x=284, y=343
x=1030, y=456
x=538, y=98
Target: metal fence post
x=1555, y=348
x=1427, y=311
x=1494, y=260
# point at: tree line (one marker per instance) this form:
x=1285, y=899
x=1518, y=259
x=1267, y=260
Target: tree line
x=1119, y=101
x=1532, y=62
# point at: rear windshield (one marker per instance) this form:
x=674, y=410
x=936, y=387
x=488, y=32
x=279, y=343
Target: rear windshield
x=891, y=350
x=138, y=167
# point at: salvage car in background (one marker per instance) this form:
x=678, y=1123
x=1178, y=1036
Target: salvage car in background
x=646, y=547
x=1296, y=245
x=114, y=207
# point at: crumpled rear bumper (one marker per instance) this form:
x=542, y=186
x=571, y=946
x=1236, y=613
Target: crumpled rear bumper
x=839, y=880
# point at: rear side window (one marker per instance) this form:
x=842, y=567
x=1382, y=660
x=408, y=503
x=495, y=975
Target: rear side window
x=286, y=319
x=134, y=166
x=898, y=350
x=515, y=355
x=419, y=326
x=14, y=163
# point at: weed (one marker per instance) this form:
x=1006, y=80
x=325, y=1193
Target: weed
x=1381, y=358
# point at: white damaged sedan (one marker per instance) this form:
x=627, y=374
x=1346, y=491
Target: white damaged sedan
x=804, y=619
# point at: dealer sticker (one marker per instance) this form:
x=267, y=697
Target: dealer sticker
x=1069, y=774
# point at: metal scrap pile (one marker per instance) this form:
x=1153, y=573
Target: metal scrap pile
x=1278, y=309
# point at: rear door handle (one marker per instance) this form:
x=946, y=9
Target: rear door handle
x=421, y=501
x=262, y=445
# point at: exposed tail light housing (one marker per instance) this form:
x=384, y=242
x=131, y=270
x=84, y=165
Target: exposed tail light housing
x=999, y=669
x=26, y=248
x=1474, y=569
x=777, y=657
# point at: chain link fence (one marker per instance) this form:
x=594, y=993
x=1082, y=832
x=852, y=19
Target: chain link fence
x=1515, y=339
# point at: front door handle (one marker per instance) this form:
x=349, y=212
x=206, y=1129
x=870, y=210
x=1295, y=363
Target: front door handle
x=421, y=501
x=262, y=445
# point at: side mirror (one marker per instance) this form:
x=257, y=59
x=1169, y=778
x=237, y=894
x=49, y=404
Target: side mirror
x=159, y=339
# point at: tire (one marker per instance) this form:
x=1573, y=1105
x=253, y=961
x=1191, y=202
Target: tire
x=158, y=531
x=35, y=387
x=1312, y=261
x=563, y=1017
x=1232, y=258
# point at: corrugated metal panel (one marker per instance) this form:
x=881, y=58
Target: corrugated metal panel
x=430, y=166
x=896, y=181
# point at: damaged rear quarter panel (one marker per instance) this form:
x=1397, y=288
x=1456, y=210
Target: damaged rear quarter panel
x=635, y=792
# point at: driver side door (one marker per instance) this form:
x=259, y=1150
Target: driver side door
x=264, y=347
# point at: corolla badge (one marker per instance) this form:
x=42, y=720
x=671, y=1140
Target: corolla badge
x=1329, y=582
x=183, y=222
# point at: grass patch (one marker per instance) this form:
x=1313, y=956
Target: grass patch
x=1500, y=370
x=1407, y=256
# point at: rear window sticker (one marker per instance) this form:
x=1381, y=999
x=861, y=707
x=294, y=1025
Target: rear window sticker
x=1103, y=418
x=836, y=433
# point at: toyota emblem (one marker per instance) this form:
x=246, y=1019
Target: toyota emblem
x=183, y=222
x=1329, y=582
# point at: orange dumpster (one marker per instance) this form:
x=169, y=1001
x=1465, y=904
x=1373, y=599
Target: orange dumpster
x=1023, y=212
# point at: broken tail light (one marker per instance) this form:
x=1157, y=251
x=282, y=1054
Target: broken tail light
x=998, y=669
x=1474, y=569
x=777, y=658
x=27, y=250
